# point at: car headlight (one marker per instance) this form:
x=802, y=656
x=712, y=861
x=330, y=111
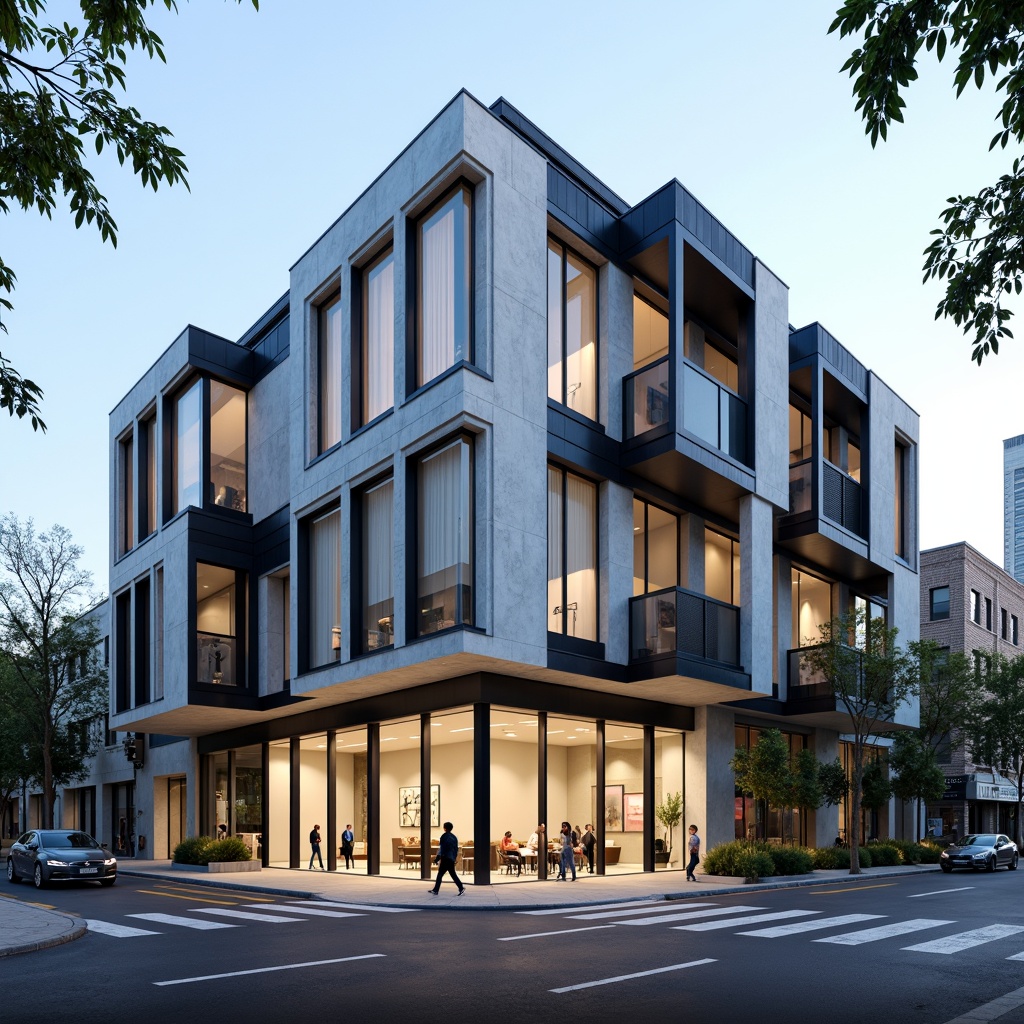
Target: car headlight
x=981, y=856
x=109, y=862
x=943, y=855
x=54, y=863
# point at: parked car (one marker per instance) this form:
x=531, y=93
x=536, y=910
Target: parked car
x=986, y=850
x=60, y=854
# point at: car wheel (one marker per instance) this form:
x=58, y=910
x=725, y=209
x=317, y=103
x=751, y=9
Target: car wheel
x=12, y=875
x=990, y=864
x=37, y=877
x=108, y=881
x=947, y=868
x=1012, y=866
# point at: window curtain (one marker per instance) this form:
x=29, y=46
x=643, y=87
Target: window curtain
x=379, y=356
x=189, y=445
x=555, y=323
x=378, y=510
x=581, y=557
x=330, y=375
x=556, y=558
x=437, y=293
x=325, y=589
x=580, y=337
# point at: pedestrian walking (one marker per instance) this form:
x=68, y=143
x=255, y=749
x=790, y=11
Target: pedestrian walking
x=348, y=838
x=694, y=847
x=588, y=842
x=568, y=852
x=314, y=842
x=447, y=854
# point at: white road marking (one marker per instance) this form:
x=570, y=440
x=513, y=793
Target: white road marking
x=884, y=931
x=690, y=915
x=643, y=905
x=707, y=926
x=810, y=926
x=661, y=908
x=118, y=931
x=992, y=1009
x=965, y=940
x=268, y=970
x=356, y=906
x=311, y=911
x=941, y=892
x=246, y=916
x=630, y=977
x=185, y=922
x=565, y=931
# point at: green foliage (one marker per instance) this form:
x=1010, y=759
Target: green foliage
x=791, y=860
x=834, y=783
x=755, y=864
x=60, y=89
x=910, y=853
x=230, y=848
x=916, y=775
x=976, y=250
x=668, y=813
x=807, y=791
x=875, y=786
x=190, y=850
x=764, y=770
x=836, y=858
x=949, y=691
x=885, y=855
x=741, y=856
x=928, y=853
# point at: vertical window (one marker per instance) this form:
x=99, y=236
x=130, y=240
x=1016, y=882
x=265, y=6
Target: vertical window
x=938, y=599
x=158, y=634
x=444, y=286
x=988, y=614
x=378, y=586
x=799, y=435
x=142, y=651
x=655, y=548
x=976, y=607
x=721, y=567
x=1013, y=630
x=899, y=512
x=1004, y=623
x=444, y=578
x=329, y=374
x=126, y=488
x=187, y=448
x=812, y=606
x=378, y=338
x=572, y=554
x=710, y=356
x=650, y=329
x=220, y=596
x=572, y=330
x=227, y=446
x=147, y=472
x=123, y=651
x=324, y=618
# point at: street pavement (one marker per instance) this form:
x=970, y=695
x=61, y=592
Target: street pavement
x=25, y=926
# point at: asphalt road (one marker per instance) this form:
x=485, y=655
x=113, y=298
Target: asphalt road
x=926, y=948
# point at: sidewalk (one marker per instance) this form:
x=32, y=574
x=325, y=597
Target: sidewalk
x=25, y=926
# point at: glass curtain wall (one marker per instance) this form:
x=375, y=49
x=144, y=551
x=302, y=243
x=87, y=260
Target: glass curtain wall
x=313, y=797
x=401, y=801
x=756, y=819
x=216, y=627
x=513, y=756
x=572, y=780
x=655, y=548
x=352, y=795
x=812, y=605
x=227, y=446
x=623, y=798
x=187, y=448
x=572, y=555
x=279, y=804
x=452, y=783
x=177, y=791
x=248, y=798
x=329, y=374
x=379, y=337
x=221, y=796
x=378, y=573
x=721, y=567
x=669, y=781
x=572, y=330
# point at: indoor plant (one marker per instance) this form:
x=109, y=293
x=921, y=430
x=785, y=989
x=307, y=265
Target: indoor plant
x=669, y=813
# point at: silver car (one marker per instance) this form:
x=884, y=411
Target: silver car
x=987, y=850
x=60, y=854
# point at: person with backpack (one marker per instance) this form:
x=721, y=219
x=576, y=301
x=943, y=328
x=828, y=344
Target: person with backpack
x=694, y=847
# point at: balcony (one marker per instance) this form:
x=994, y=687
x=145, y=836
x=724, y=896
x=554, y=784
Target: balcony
x=215, y=659
x=677, y=621
x=842, y=499
x=648, y=398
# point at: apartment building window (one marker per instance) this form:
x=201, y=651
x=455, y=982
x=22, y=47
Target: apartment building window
x=572, y=554
x=123, y=651
x=721, y=567
x=988, y=614
x=220, y=614
x=142, y=635
x=444, y=538
x=655, y=548
x=376, y=353
x=187, y=447
x=227, y=474
x=976, y=607
x=328, y=373
x=811, y=606
x=324, y=594
x=158, y=633
x=444, y=285
x=714, y=355
x=868, y=616
x=1004, y=623
x=126, y=494
x=938, y=603
x=900, y=526
x=572, y=330
x=377, y=544
x=148, y=448
x=842, y=449
x=1013, y=630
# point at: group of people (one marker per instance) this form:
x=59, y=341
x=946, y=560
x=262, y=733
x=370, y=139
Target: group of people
x=348, y=839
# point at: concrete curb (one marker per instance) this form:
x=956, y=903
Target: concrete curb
x=76, y=931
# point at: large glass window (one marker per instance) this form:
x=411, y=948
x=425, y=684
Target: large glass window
x=378, y=341
x=248, y=798
x=900, y=460
x=669, y=748
x=572, y=554
x=709, y=353
x=721, y=567
x=650, y=332
x=313, y=799
x=329, y=374
x=324, y=618
x=378, y=576
x=655, y=548
x=218, y=646
x=126, y=495
x=623, y=825
x=147, y=467
x=187, y=448
x=513, y=759
x=812, y=605
x=351, y=795
x=279, y=803
x=444, y=260
x=444, y=585
x=227, y=446
x=572, y=330
x=757, y=819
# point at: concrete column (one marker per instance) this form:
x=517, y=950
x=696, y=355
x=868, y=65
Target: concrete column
x=826, y=819
x=615, y=557
x=691, y=554
x=710, y=786
x=783, y=621
x=756, y=590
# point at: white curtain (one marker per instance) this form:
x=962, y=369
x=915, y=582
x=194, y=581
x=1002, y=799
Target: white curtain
x=555, y=554
x=379, y=372
x=325, y=589
x=437, y=293
x=189, y=442
x=581, y=557
x=330, y=375
x=580, y=337
x=440, y=512
x=378, y=510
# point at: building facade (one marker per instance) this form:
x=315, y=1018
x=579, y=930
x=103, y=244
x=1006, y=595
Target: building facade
x=970, y=605
x=490, y=519
x=1013, y=506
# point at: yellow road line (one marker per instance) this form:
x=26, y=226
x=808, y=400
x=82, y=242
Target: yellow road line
x=852, y=888
x=194, y=899
x=234, y=892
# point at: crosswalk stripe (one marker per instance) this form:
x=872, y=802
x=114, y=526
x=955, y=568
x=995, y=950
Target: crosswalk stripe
x=246, y=916
x=311, y=911
x=118, y=931
x=693, y=915
x=884, y=931
x=707, y=926
x=666, y=908
x=368, y=908
x=643, y=905
x=965, y=940
x=810, y=926
x=184, y=922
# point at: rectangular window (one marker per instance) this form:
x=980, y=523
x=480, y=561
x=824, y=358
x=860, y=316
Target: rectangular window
x=126, y=495
x=328, y=370
x=444, y=285
x=324, y=594
x=1004, y=623
x=220, y=604
x=938, y=598
x=378, y=542
x=812, y=606
x=147, y=476
x=445, y=527
x=988, y=614
x=899, y=511
x=976, y=607
x=572, y=330
x=186, y=453
x=799, y=435
x=1013, y=630
x=721, y=567
x=228, y=476
x=123, y=651
x=158, y=634
x=377, y=353
x=572, y=554
x=655, y=548
x=650, y=329
x=710, y=356
x=142, y=634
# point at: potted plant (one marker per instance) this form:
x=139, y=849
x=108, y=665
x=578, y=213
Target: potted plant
x=669, y=813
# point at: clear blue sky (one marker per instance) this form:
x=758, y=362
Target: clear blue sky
x=286, y=115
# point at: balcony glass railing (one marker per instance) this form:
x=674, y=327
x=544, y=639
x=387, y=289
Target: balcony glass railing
x=215, y=659
x=677, y=621
x=648, y=398
x=714, y=413
x=800, y=487
x=806, y=681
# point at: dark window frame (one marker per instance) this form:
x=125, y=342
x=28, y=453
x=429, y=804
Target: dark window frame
x=935, y=612
x=565, y=473
x=321, y=308
x=358, y=627
x=359, y=341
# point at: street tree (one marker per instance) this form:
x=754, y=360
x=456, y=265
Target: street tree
x=949, y=690
x=870, y=677
x=976, y=251
x=62, y=89
x=54, y=679
x=807, y=792
x=833, y=781
x=764, y=771
x=917, y=777
x=14, y=763
x=875, y=785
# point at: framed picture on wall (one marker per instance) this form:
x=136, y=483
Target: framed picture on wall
x=409, y=806
x=633, y=812
x=613, y=808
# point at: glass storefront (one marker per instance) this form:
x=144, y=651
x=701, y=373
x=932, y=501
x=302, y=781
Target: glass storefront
x=757, y=819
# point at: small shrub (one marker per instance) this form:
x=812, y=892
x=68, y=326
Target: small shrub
x=756, y=864
x=834, y=858
x=230, y=849
x=885, y=855
x=910, y=853
x=189, y=850
x=725, y=858
x=928, y=853
x=791, y=860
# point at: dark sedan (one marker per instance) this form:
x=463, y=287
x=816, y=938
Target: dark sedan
x=60, y=855
x=986, y=850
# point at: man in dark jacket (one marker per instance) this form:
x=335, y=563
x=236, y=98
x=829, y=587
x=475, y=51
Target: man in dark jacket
x=447, y=854
x=314, y=842
x=588, y=842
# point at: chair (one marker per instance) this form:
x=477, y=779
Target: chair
x=512, y=862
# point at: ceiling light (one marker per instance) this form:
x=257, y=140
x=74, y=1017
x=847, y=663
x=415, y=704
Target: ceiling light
x=388, y=739
x=509, y=733
x=467, y=728
x=555, y=732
